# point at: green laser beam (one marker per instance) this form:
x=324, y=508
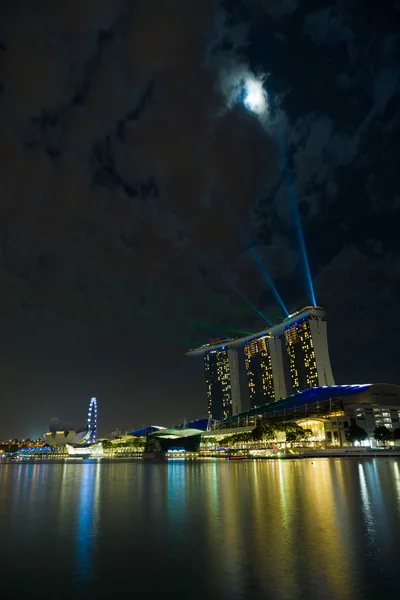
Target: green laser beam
x=235, y=330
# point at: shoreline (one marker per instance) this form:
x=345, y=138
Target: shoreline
x=200, y=457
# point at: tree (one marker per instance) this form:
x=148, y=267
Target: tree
x=396, y=433
x=355, y=433
x=133, y=444
x=382, y=434
x=294, y=432
x=257, y=432
x=269, y=430
x=292, y=436
x=236, y=438
x=264, y=430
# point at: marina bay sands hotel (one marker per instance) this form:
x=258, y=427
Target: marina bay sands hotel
x=280, y=360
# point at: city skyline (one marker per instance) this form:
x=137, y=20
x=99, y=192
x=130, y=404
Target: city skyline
x=199, y=274
x=161, y=167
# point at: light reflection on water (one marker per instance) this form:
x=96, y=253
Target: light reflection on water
x=366, y=505
x=397, y=482
x=87, y=521
x=327, y=529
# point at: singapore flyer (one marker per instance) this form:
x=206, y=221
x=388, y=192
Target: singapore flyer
x=92, y=420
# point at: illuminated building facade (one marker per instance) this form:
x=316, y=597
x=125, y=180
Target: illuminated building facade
x=222, y=382
x=307, y=351
x=296, y=347
x=173, y=441
x=264, y=368
x=329, y=412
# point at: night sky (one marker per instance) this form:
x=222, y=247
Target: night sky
x=133, y=182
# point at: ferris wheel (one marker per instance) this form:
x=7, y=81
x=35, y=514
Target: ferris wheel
x=92, y=420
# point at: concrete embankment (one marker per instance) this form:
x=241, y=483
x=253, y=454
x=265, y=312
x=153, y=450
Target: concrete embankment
x=347, y=453
x=320, y=453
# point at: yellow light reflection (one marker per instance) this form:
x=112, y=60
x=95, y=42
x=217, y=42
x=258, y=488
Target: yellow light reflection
x=365, y=501
x=323, y=508
x=397, y=482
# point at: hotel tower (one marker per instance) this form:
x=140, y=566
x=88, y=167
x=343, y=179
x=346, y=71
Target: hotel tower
x=284, y=358
x=221, y=367
x=264, y=368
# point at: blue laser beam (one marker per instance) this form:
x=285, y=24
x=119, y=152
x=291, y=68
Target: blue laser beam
x=288, y=179
x=267, y=277
x=264, y=271
x=236, y=289
x=255, y=92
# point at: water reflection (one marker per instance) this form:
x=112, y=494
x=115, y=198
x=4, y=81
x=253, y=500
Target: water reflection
x=397, y=483
x=176, y=492
x=286, y=527
x=366, y=504
x=327, y=529
x=329, y=550
x=87, y=522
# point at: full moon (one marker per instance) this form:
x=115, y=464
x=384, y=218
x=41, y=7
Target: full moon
x=255, y=97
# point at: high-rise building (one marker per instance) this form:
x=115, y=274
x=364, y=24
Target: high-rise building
x=222, y=382
x=264, y=367
x=297, y=347
x=307, y=350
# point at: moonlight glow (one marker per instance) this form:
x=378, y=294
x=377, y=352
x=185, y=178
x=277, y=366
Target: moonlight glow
x=255, y=98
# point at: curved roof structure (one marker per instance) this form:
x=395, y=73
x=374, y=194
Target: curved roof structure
x=275, y=330
x=200, y=424
x=34, y=450
x=145, y=430
x=175, y=434
x=61, y=438
x=316, y=394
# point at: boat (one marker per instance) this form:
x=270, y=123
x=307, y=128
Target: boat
x=236, y=457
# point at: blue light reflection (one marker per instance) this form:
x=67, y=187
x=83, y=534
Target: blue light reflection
x=87, y=521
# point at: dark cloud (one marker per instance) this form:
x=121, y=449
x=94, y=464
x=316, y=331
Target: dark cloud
x=128, y=178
